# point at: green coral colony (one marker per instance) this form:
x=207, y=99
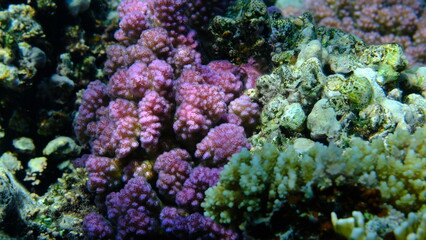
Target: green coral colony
x=255, y=185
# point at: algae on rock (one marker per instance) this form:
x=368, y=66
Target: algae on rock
x=20, y=59
x=364, y=87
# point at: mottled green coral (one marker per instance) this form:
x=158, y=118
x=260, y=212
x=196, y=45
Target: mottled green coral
x=356, y=92
x=253, y=185
x=388, y=59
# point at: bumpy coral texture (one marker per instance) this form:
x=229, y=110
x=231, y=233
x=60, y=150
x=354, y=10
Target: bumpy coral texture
x=123, y=114
x=246, y=110
x=96, y=226
x=134, y=82
x=215, y=148
x=173, y=169
x=171, y=15
x=116, y=130
x=136, y=16
x=377, y=22
x=146, y=66
x=201, y=106
x=133, y=209
x=94, y=98
x=253, y=185
x=192, y=192
x=225, y=75
x=103, y=173
x=159, y=97
x=193, y=226
x=153, y=112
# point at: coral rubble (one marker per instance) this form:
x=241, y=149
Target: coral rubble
x=337, y=86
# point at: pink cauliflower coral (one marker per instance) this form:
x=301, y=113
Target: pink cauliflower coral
x=246, y=110
x=104, y=174
x=173, y=169
x=201, y=106
x=134, y=82
x=221, y=142
x=160, y=96
x=154, y=112
x=192, y=192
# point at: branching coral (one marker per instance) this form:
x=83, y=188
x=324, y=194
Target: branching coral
x=164, y=107
x=159, y=107
x=257, y=185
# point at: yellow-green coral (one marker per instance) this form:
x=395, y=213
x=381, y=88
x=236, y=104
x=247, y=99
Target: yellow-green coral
x=415, y=78
x=357, y=227
x=255, y=184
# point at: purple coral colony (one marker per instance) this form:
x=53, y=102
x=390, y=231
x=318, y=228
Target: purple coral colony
x=161, y=103
x=176, y=99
